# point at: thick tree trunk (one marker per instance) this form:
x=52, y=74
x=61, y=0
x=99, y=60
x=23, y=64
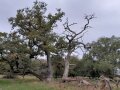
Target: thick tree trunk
x=66, y=67
x=49, y=64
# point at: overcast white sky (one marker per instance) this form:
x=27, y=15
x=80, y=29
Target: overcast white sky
x=107, y=12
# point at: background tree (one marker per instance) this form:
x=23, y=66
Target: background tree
x=104, y=54
x=11, y=49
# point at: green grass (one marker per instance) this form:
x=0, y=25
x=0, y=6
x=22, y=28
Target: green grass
x=23, y=85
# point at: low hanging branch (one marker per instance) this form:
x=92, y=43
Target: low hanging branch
x=73, y=40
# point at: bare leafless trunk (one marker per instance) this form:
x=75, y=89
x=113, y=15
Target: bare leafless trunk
x=66, y=67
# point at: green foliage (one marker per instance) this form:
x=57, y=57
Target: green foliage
x=13, y=52
x=36, y=27
x=4, y=67
x=58, y=65
x=93, y=69
x=74, y=59
x=103, y=56
x=105, y=49
x=82, y=68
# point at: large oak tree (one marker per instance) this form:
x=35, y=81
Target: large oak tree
x=35, y=27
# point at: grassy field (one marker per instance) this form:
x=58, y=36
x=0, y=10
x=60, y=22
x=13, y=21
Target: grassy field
x=23, y=85
x=29, y=83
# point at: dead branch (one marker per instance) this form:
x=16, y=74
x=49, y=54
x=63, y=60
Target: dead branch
x=116, y=81
x=88, y=18
x=72, y=35
x=105, y=83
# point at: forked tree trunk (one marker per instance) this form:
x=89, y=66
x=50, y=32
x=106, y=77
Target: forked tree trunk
x=49, y=64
